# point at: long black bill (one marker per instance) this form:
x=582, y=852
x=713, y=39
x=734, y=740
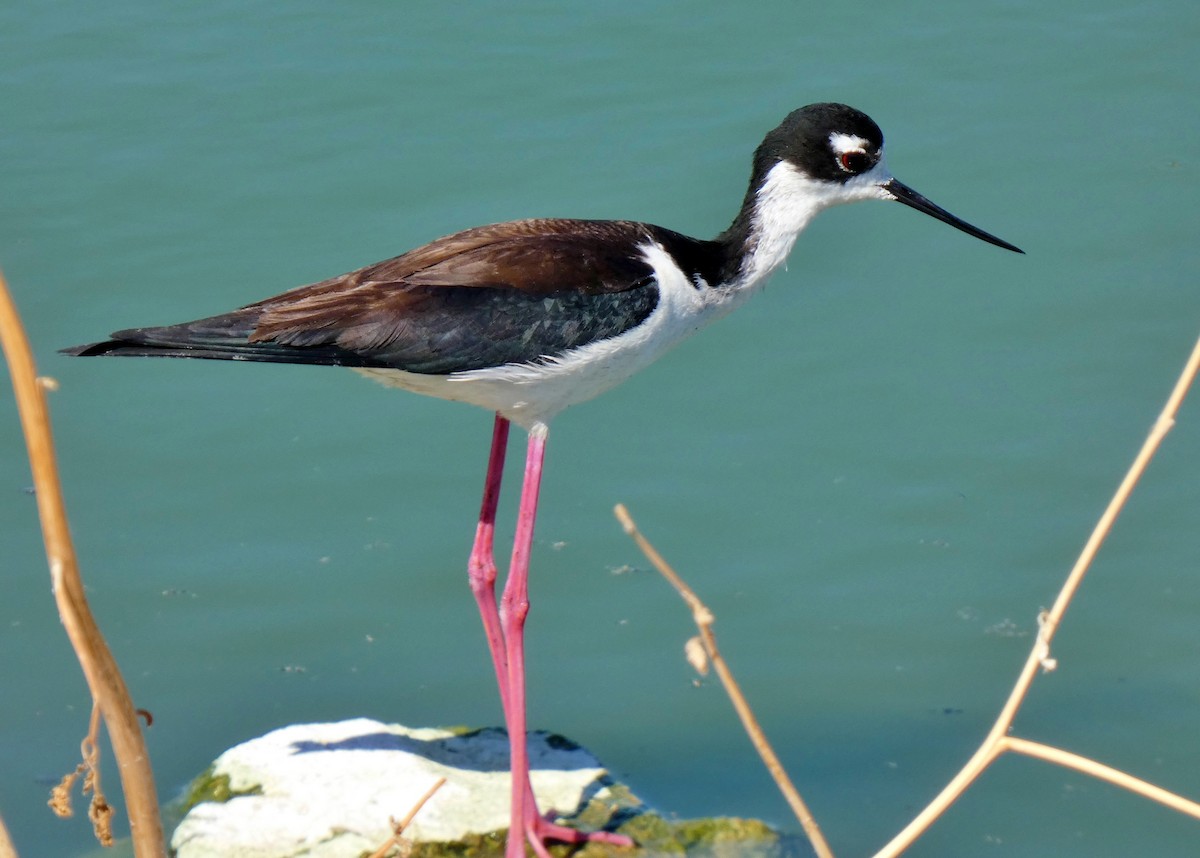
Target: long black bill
x=902, y=193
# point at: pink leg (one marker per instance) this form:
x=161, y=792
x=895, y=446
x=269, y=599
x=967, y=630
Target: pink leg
x=504, y=629
x=481, y=569
x=514, y=606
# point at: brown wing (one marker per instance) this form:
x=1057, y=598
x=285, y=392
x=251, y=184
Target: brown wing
x=507, y=293
x=368, y=309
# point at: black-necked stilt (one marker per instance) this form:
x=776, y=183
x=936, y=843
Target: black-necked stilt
x=528, y=317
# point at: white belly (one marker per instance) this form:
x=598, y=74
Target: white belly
x=534, y=392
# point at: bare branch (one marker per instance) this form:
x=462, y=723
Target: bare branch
x=99, y=667
x=997, y=740
x=7, y=850
x=1101, y=772
x=704, y=620
x=398, y=827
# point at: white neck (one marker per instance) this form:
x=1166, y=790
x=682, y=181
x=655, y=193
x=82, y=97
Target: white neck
x=785, y=203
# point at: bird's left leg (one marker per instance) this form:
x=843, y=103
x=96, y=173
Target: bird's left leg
x=514, y=607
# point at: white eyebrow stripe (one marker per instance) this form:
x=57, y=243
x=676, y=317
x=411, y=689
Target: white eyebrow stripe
x=840, y=143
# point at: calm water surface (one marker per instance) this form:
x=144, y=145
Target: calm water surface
x=876, y=473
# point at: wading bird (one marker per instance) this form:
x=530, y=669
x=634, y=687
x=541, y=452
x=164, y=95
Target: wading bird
x=528, y=317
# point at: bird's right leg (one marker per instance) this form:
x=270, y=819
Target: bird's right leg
x=481, y=569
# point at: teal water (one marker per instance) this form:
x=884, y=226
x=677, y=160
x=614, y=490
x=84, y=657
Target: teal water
x=876, y=472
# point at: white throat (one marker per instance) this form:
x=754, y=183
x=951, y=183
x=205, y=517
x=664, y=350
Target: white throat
x=786, y=202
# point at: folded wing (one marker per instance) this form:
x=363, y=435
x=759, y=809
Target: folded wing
x=507, y=293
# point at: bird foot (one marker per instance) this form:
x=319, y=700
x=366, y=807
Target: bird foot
x=540, y=829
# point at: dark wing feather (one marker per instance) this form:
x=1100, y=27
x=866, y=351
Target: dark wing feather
x=511, y=292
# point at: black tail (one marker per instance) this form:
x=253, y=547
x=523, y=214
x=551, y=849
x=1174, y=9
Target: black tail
x=224, y=337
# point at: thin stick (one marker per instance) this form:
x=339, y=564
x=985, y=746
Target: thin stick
x=1101, y=772
x=993, y=745
x=704, y=619
x=99, y=667
x=398, y=827
x=7, y=850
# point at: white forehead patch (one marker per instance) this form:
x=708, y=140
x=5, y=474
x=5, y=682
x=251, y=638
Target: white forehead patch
x=840, y=143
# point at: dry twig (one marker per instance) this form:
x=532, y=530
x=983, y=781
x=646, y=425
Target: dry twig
x=1100, y=772
x=997, y=740
x=7, y=850
x=99, y=667
x=398, y=827
x=704, y=619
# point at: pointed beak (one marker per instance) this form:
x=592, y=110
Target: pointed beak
x=902, y=193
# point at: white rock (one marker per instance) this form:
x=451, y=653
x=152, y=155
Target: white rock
x=329, y=789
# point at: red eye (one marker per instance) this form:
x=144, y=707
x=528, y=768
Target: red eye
x=854, y=161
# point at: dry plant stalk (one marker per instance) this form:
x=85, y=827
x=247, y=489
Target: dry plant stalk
x=998, y=741
x=7, y=850
x=99, y=667
x=1100, y=772
x=704, y=619
x=398, y=827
